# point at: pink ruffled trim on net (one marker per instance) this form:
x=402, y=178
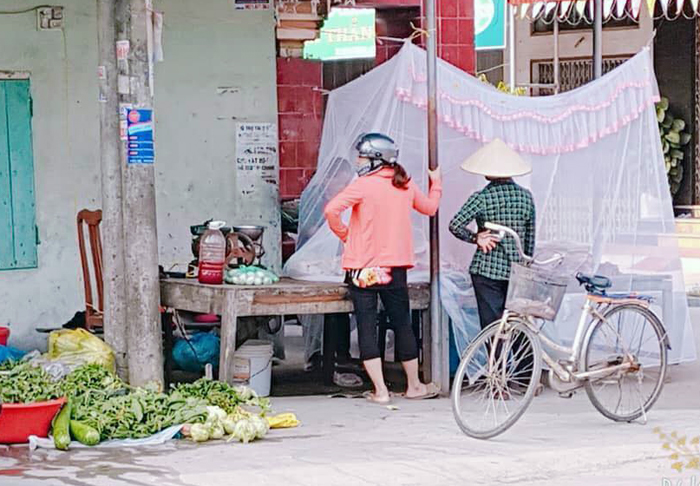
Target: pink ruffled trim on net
x=538, y=149
x=405, y=94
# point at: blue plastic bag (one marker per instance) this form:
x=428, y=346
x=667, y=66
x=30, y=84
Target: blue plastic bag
x=6, y=353
x=202, y=349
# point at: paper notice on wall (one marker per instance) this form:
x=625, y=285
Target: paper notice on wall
x=257, y=161
x=252, y=4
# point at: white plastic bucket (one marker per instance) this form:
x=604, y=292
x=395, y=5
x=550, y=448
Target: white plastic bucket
x=252, y=365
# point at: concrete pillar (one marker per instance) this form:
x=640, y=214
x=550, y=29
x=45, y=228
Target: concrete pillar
x=145, y=356
x=115, y=322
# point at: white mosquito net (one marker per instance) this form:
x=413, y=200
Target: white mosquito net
x=598, y=180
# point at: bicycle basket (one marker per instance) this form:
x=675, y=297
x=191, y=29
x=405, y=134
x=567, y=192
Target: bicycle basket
x=534, y=292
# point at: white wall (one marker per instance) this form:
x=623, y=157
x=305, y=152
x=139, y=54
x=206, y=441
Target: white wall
x=66, y=161
x=219, y=69
x=207, y=45
x=576, y=44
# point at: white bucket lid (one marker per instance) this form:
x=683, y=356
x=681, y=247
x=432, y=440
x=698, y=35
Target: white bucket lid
x=255, y=347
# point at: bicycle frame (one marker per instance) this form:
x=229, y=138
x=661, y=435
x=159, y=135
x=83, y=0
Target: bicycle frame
x=569, y=373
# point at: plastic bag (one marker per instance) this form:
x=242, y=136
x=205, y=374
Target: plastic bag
x=201, y=349
x=283, y=421
x=156, y=439
x=78, y=346
x=7, y=353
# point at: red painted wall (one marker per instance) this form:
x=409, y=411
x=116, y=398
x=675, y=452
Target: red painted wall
x=300, y=108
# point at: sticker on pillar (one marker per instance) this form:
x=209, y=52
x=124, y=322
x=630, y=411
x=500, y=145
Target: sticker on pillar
x=489, y=24
x=123, y=110
x=140, y=148
x=123, y=47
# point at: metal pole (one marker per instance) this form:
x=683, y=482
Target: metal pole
x=598, y=39
x=556, y=53
x=142, y=284
x=115, y=322
x=511, y=46
x=437, y=328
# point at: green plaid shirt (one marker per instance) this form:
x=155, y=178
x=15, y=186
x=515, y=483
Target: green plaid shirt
x=504, y=203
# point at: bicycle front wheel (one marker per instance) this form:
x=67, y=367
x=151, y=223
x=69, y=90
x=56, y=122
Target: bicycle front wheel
x=496, y=379
x=628, y=334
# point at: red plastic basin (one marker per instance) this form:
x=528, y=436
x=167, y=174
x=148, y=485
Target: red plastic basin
x=4, y=335
x=20, y=420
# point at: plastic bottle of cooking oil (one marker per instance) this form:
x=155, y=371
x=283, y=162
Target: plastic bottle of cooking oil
x=212, y=254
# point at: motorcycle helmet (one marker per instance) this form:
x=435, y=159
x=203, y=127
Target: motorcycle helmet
x=378, y=149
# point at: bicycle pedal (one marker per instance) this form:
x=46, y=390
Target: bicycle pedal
x=566, y=394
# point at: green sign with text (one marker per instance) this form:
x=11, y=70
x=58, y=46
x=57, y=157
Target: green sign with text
x=347, y=33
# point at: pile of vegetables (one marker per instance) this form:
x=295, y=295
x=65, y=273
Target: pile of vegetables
x=673, y=139
x=250, y=276
x=22, y=383
x=240, y=425
x=102, y=407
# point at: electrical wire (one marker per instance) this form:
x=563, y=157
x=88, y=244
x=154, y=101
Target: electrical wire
x=26, y=10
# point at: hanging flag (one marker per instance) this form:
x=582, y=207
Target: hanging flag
x=679, y=7
x=564, y=8
x=650, y=6
x=694, y=3
x=549, y=6
x=636, y=6
x=620, y=8
x=607, y=8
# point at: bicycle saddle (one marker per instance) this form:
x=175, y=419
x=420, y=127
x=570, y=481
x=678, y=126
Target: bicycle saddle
x=594, y=283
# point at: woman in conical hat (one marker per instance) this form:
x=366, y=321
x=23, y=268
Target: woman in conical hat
x=502, y=202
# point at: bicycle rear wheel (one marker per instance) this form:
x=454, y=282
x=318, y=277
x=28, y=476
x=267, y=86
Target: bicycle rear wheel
x=628, y=333
x=496, y=379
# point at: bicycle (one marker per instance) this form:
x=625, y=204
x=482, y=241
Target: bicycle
x=610, y=357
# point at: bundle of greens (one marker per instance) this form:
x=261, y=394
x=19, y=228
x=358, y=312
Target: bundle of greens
x=222, y=395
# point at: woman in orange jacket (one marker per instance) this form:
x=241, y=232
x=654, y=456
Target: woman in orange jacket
x=379, y=251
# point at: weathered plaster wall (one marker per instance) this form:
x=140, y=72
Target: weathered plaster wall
x=208, y=46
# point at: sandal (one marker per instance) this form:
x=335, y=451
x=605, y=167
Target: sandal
x=371, y=397
x=431, y=391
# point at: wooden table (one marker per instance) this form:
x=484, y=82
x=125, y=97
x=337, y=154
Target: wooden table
x=288, y=297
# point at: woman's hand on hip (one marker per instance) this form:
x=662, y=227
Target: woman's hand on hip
x=486, y=241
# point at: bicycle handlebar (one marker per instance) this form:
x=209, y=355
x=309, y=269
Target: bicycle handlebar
x=504, y=230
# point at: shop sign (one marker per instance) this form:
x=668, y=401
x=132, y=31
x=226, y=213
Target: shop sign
x=347, y=33
x=489, y=24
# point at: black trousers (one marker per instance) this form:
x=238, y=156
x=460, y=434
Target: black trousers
x=491, y=302
x=490, y=298
x=397, y=306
